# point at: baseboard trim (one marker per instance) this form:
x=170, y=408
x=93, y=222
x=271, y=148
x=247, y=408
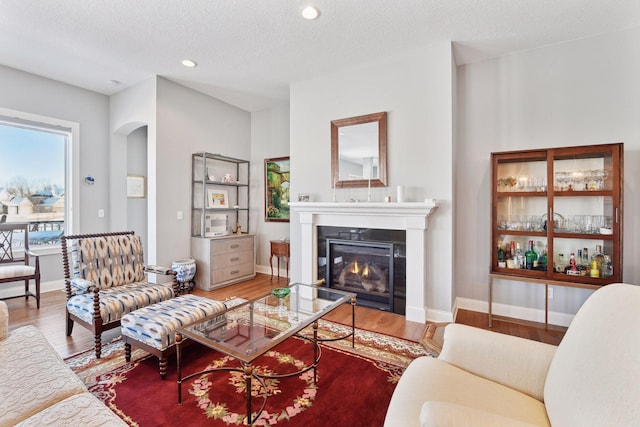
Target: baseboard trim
x=513, y=311
x=267, y=270
x=439, y=316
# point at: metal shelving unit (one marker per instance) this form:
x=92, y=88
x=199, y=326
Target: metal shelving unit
x=220, y=189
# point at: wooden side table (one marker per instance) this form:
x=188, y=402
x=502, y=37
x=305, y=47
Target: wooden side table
x=279, y=248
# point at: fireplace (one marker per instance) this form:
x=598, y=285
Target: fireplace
x=409, y=217
x=367, y=262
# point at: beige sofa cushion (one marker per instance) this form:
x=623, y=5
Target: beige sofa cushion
x=75, y=411
x=445, y=414
x=4, y=320
x=594, y=379
x=511, y=361
x=32, y=376
x=427, y=379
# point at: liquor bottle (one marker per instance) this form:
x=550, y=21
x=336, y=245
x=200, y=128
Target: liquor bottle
x=502, y=263
x=586, y=262
x=581, y=268
x=530, y=256
x=595, y=272
x=607, y=268
x=544, y=259
x=519, y=258
x=512, y=251
x=560, y=264
x=598, y=257
x=572, y=268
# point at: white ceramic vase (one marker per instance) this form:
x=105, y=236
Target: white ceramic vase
x=185, y=269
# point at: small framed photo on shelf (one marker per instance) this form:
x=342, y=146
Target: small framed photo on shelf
x=135, y=186
x=217, y=199
x=303, y=197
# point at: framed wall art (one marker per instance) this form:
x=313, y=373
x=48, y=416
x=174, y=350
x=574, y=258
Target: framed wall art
x=217, y=199
x=276, y=192
x=135, y=186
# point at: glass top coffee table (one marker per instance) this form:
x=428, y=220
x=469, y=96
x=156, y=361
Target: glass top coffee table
x=250, y=329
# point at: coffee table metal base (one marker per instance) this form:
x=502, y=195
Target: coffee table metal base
x=249, y=373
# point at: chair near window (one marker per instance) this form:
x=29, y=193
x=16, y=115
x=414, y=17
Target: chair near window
x=15, y=269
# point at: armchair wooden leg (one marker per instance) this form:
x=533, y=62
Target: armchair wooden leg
x=98, y=341
x=69, y=325
x=26, y=289
x=163, y=367
x=38, y=292
x=127, y=352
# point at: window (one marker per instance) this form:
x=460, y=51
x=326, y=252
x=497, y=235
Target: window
x=34, y=172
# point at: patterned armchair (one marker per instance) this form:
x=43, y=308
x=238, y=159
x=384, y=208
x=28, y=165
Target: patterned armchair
x=107, y=279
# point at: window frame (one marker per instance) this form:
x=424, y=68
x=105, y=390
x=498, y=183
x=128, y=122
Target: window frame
x=72, y=160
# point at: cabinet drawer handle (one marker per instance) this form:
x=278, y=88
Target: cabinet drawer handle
x=235, y=258
x=234, y=246
x=234, y=272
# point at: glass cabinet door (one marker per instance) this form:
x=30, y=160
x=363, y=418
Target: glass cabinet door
x=520, y=219
x=586, y=199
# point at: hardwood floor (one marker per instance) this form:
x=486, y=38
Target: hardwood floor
x=51, y=318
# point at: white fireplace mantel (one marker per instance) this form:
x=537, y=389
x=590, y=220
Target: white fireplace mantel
x=409, y=216
x=375, y=208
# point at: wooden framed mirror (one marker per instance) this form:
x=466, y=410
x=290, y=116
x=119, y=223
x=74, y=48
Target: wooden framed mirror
x=359, y=151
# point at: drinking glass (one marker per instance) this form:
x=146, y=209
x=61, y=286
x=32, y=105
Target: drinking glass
x=562, y=181
x=281, y=294
x=577, y=180
x=599, y=177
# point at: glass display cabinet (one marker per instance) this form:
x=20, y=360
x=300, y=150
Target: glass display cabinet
x=556, y=215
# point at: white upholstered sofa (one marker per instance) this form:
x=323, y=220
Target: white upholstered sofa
x=38, y=389
x=483, y=378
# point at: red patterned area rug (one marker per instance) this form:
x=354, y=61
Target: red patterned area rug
x=353, y=389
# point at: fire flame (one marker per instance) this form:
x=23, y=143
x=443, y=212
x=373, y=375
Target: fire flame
x=355, y=269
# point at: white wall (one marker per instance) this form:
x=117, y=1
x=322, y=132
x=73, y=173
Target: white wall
x=269, y=139
x=131, y=109
x=137, y=213
x=415, y=88
x=578, y=93
x=37, y=95
x=180, y=122
x=189, y=122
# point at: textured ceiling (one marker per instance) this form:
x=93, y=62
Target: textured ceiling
x=249, y=51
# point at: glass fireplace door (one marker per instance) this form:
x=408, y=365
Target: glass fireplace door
x=362, y=267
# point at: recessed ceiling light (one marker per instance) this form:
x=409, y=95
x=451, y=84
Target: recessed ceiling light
x=189, y=63
x=310, y=13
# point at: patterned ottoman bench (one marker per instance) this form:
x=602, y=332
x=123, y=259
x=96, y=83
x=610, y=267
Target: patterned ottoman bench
x=153, y=328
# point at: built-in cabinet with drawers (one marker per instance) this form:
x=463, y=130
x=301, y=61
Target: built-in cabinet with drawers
x=567, y=203
x=220, y=243
x=221, y=261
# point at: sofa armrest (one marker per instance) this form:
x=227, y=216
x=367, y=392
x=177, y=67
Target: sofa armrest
x=4, y=320
x=158, y=269
x=81, y=286
x=517, y=363
x=446, y=414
